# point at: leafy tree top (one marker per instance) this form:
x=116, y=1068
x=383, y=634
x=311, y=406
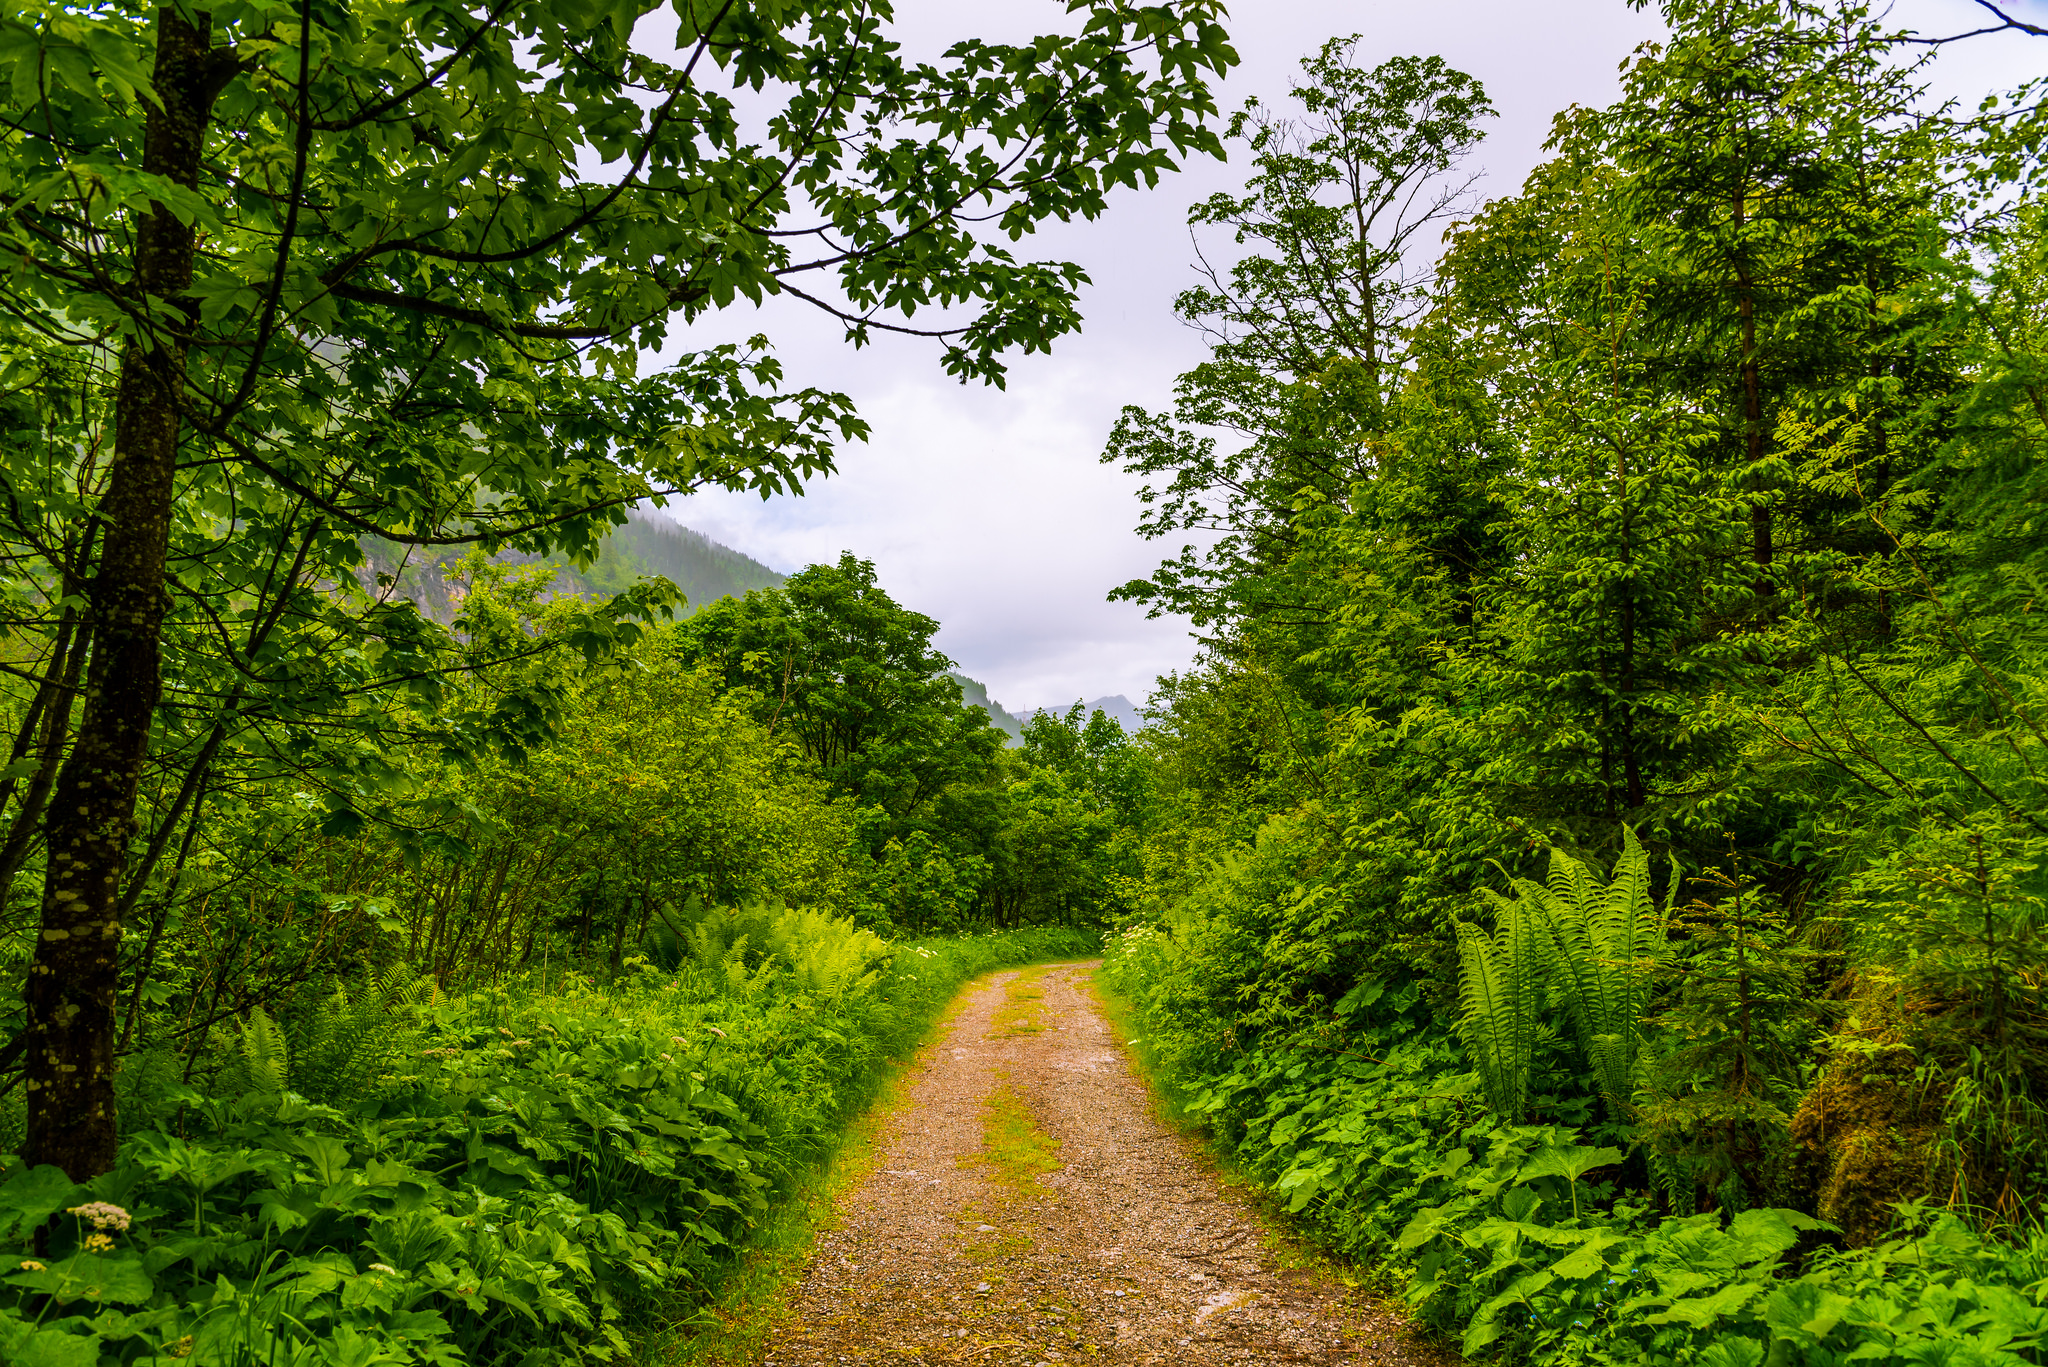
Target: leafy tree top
x=836, y=662
x=432, y=241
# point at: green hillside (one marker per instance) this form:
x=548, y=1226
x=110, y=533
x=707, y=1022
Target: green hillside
x=975, y=694
x=652, y=544
x=648, y=544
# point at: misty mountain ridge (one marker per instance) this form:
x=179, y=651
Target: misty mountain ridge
x=646, y=544
x=650, y=544
x=974, y=693
x=1115, y=706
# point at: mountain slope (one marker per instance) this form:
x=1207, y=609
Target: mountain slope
x=1119, y=709
x=975, y=694
x=648, y=543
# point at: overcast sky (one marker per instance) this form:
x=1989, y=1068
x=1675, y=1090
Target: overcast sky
x=988, y=509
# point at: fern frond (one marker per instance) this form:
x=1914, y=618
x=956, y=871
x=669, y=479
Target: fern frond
x=732, y=969
x=402, y=985
x=1500, y=1001
x=265, y=1055
x=342, y=1043
x=1610, y=937
x=664, y=942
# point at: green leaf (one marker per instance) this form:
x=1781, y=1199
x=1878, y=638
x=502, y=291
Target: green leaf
x=1569, y=1163
x=329, y=1156
x=1422, y=1227
x=1478, y=1334
x=30, y=1196
x=346, y=1346
x=1760, y=1235
x=25, y=1345
x=1804, y=1312
x=1731, y=1352
x=1590, y=1257
x=1704, y=1311
x=1364, y=994
x=104, y=1279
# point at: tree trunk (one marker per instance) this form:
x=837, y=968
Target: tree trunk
x=74, y=643
x=1752, y=415
x=70, y=993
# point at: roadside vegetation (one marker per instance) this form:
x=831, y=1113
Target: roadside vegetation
x=1594, y=875
x=516, y=1080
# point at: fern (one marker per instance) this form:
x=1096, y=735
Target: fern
x=825, y=955
x=266, y=1057
x=1500, y=1003
x=341, y=1046
x=1611, y=939
x=742, y=951
x=1606, y=938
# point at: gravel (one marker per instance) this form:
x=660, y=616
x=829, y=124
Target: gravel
x=1133, y=1251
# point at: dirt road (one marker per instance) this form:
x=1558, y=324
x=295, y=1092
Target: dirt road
x=1030, y=1208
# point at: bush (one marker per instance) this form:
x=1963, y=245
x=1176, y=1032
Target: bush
x=1519, y=1240
x=548, y=1168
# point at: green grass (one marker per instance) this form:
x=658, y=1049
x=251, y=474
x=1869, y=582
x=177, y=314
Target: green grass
x=1023, y=1007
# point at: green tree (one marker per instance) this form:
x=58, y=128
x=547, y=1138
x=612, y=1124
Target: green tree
x=1785, y=191
x=839, y=665
x=1094, y=754
x=925, y=888
x=1307, y=330
x=324, y=271
x=1069, y=846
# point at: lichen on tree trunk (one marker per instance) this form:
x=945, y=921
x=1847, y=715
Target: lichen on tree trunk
x=72, y=982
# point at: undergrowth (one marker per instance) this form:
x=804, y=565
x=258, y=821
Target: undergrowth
x=1523, y=1242
x=528, y=1178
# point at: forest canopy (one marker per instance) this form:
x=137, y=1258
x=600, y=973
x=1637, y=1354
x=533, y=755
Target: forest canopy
x=1617, y=762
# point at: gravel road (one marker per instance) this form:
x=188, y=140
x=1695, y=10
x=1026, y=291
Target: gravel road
x=1030, y=1208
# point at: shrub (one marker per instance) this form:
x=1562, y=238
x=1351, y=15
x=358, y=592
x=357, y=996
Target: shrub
x=544, y=1170
x=1518, y=1240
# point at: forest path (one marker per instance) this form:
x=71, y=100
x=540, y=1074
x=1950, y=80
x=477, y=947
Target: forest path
x=1030, y=1208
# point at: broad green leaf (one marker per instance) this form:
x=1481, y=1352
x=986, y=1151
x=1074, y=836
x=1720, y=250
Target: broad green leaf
x=1570, y=1163
x=97, y=1278
x=25, y=1345
x=30, y=1196
x=1702, y=1312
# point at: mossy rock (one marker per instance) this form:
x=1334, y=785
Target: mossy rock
x=1862, y=1125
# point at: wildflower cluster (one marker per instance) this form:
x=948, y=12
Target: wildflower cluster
x=102, y=1215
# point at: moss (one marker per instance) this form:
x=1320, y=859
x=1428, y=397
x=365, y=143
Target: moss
x=1017, y=1152
x=1861, y=1126
x=1023, y=1008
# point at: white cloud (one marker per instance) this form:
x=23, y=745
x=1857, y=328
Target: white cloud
x=990, y=511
